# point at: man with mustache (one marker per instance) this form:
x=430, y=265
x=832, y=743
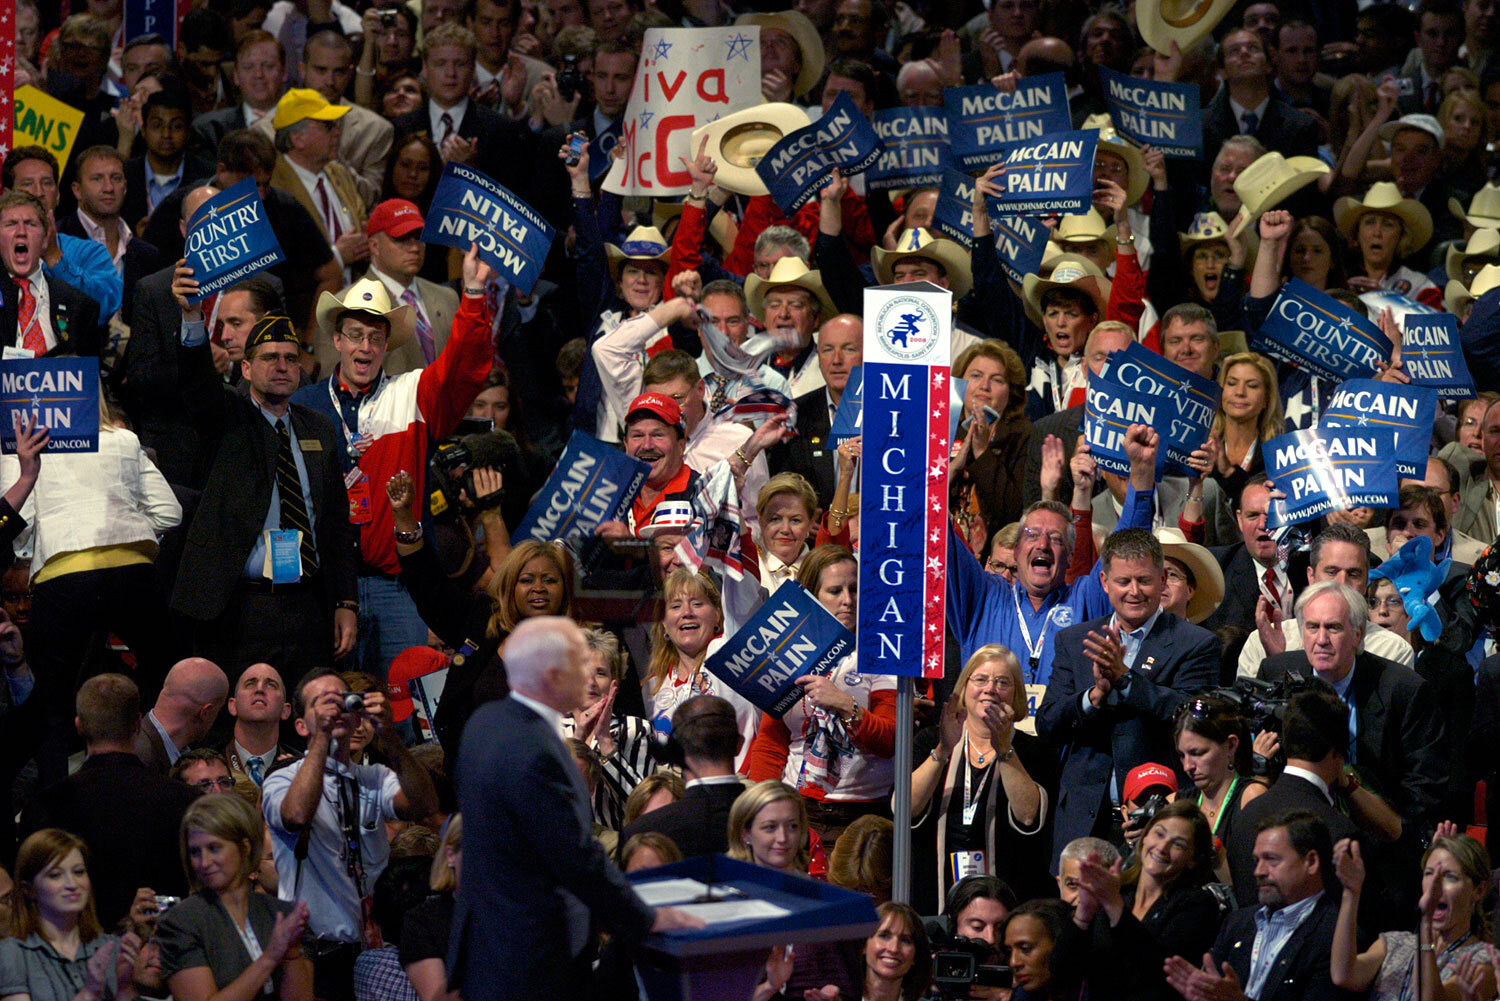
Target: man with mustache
x=655, y=432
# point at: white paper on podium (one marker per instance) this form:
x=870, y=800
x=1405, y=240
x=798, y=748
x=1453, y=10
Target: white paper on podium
x=724, y=911
x=667, y=892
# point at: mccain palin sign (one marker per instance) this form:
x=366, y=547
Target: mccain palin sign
x=790, y=636
x=61, y=394
x=1165, y=116
x=798, y=166
x=512, y=237
x=593, y=483
x=983, y=121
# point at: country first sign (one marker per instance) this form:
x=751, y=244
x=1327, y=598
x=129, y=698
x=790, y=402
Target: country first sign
x=229, y=239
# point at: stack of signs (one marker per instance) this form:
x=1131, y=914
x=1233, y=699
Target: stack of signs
x=1051, y=176
x=790, y=636
x=1330, y=469
x=593, y=483
x=1431, y=355
x=1322, y=336
x=983, y=121
x=229, y=239
x=1407, y=410
x=798, y=166
x=1165, y=116
x=1109, y=409
x=512, y=237
x=914, y=148
x=1191, y=400
x=848, y=419
x=59, y=394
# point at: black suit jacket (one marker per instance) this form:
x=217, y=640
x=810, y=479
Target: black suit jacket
x=137, y=201
x=1283, y=128
x=148, y=381
x=1241, y=588
x=698, y=823
x=1289, y=792
x=505, y=147
x=534, y=875
x=75, y=319
x=141, y=259
x=212, y=125
x=1300, y=971
x=810, y=452
x=1175, y=659
x=1445, y=225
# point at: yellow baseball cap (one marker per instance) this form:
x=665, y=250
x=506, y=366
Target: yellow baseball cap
x=301, y=103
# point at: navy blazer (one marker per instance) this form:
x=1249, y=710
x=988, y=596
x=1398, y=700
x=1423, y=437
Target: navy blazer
x=1283, y=129
x=75, y=318
x=809, y=453
x=1300, y=971
x=1176, y=658
x=533, y=872
x=1241, y=588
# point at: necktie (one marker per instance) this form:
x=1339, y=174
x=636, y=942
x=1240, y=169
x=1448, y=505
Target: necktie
x=29, y=327
x=424, y=329
x=330, y=217
x=293, y=507
x=1249, y=120
x=447, y=123
x=256, y=769
x=1271, y=588
x=1434, y=98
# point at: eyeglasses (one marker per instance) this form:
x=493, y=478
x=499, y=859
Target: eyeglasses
x=1000, y=566
x=224, y=784
x=1053, y=538
x=375, y=340
x=1390, y=603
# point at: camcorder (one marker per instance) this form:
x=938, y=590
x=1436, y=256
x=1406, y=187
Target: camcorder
x=450, y=468
x=569, y=79
x=1262, y=704
x=964, y=963
x=1141, y=815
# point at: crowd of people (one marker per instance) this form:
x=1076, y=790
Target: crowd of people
x=277, y=656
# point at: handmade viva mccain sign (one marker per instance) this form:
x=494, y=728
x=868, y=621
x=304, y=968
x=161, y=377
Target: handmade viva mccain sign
x=1322, y=336
x=1019, y=240
x=512, y=237
x=1431, y=355
x=62, y=394
x=42, y=120
x=593, y=483
x=848, y=419
x=1164, y=115
x=914, y=148
x=1051, y=175
x=1407, y=410
x=904, y=479
x=686, y=78
x=229, y=239
x=798, y=166
x=1330, y=469
x=790, y=636
x=983, y=121
x=1190, y=399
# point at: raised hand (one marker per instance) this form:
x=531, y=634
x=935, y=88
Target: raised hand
x=578, y=173
x=286, y=933
x=477, y=274
x=1275, y=226
x=1349, y=865
x=1083, y=469
x=184, y=285
x=833, y=191
x=1052, y=466
x=400, y=489
x=688, y=285
x=701, y=169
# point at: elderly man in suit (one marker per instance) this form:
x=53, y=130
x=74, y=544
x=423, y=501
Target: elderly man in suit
x=40, y=313
x=1246, y=104
x=191, y=696
x=535, y=879
x=307, y=143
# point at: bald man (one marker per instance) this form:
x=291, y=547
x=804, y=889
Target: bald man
x=1044, y=55
x=191, y=697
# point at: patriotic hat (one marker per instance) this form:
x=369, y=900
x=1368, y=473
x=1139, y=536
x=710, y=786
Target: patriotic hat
x=644, y=243
x=669, y=516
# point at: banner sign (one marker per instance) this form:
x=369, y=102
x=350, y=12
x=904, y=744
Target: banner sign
x=147, y=17
x=61, y=393
x=229, y=239
x=1320, y=335
x=982, y=121
x=686, y=78
x=1051, y=176
x=512, y=237
x=593, y=483
x=1191, y=400
x=953, y=216
x=1431, y=355
x=914, y=148
x=1164, y=115
x=1330, y=469
x=42, y=120
x=8, y=78
x=904, y=479
x=798, y=166
x=790, y=636
x=848, y=419
x=1109, y=409
x=1019, y=240
x=1407, y=410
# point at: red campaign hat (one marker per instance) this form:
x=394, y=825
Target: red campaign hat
x=1148, y=776
x=395, y=217
x=658, y=405
x=410, y=663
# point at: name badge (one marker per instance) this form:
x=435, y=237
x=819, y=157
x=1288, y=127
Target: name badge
x=962, y=864
x=14, y=353
x=359, y=501
x=283, y=555
x=1034, y=696
x=310, y=444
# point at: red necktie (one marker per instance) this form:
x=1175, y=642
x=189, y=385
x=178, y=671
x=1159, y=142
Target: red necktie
x=447, y=123
x=1275, y=591
x=31, y=336
x=329, y=215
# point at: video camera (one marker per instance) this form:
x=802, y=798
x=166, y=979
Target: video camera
x=1262, y=704
x=963, y=963
x=450, y=469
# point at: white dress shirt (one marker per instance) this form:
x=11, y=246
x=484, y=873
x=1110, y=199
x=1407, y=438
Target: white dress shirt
x=335, y=204
x=435, y=113
x=99, y=233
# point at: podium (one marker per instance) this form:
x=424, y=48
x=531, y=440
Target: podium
x=751, y=910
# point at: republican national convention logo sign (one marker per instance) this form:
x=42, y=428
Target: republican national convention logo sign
x=908, y=327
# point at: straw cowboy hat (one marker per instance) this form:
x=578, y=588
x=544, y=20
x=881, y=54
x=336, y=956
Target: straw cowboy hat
x=1208, y=576
x=804, y=33
x=645, y=243
x=368, y=295
x=1070, y=271
x=1484, y=243
x=1111, y=141
x=1086, y=228
x=1457, y=296
x=1186, y=22
x=1384, y=196
x=787, y=271
x=1274, y=178
x=738, y=141
x=918, y=242
x=1484, y=208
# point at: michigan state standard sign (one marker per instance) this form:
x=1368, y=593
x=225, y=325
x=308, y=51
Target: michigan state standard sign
x=903, y=504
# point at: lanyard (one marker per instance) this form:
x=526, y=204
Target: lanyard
x=972, y=796
x=1033, y=650
x=349, y=802
x=1234, y=784
x=351, y=431
x=1417, y=958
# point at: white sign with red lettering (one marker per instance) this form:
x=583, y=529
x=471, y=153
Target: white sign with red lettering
x=687, y=77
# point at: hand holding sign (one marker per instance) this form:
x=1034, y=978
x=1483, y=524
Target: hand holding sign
x=31, y=441
x=185, y=291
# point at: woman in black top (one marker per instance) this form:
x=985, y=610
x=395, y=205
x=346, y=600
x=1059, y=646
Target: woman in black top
x=424, y=932
x=1165, y=887
x=1213, y=743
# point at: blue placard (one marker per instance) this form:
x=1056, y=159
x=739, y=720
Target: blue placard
x=1019, y=240
x=953, y=216
x=468, y=207
x=62, y=393
x=229, y=239
x=1330, y=469
x=147, y=17
x=1165, y=115
x=848, y=419
x=1320, y=335
x=983, y=121
x=790, y=636
x=797, y=167
x=1050, y=176
x=1191, y=399
x=1431, y=355
x=592, y=483
x=914, y=148
x=1407, y=410
x=1109, y=409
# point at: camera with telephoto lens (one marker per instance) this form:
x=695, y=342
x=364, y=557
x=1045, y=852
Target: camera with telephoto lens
x=964, y=963
x=1150, y=807
x=569, y=79
x=1262, y=705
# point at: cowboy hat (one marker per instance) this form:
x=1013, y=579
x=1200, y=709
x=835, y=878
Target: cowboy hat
x=1384, y=196
x=1207, y=227
x=1422, y=123
x=1111, y=141
x=1085, y=228
x=368, y=295
x=1070, y=271
x=1484, y=208
x=1274, y=178
x=1484, y=243
x=738, y=141
x=1458, y=296
x=918, y=242
x=804, y=33
x=1208, y=576
x=645, y=243
x=787, y=271
x=1186, y=22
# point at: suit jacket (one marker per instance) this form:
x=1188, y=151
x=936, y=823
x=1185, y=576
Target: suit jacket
x=1476, y=512
x=1283, y=128
x=810, y=452
x=1132, y=727
x=1300, y=971
x=137, y=199
x=698, y=823
x=505, y=148
x=141, y=259
x=1289, y=792
x=150, y=749
x=441, y=304
x=212, y=125
x=75, y=319
x=533, y=873
x=364, y=146
x=1241, y=588
x=342, y=181
x=1445, y=225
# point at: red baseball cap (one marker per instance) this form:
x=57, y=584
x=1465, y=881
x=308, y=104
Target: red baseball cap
x=658, y=405
x=1145, y=777
x=395, y=217
x=410, y=663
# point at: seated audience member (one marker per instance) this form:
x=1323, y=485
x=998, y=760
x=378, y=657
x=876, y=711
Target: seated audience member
x=424, y=932
x=655, y=791
x=648, y=851
x=707, y=731
x=623, y=743
x=377, y=972
x=862, y=857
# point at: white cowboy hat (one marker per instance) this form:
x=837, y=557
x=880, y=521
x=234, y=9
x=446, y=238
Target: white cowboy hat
x=1422, y=123
x=805, y=34
x=1458, y=296
x=1186, y=22
x=1484, y=243
x=738, y=141
x=368, y=295
x=1384, y=196
x=644, y=243
x=1274, y=178
x=1110, y=141
x=918, y=242
x=1085, y=228
x=1069, y=271
x=1484, y=208
x=787, y=271
x=1208, y=576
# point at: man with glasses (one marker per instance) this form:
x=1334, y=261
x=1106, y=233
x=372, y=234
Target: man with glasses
x=204, y=769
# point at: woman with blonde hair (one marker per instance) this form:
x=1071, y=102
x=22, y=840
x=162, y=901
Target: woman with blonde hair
x=424, y=933
x=622, y=742
x=1465, y=121
x=226, y=940
x=652, y=793
x=787, y=515
x=1249, y=414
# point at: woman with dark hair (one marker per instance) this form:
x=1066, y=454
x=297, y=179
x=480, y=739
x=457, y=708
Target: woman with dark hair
x=412, y=173
x=390, y=41
x=400, y=94
x=1213, y=742
x=1165, y=887
x=1315, y=254
x=994, y=435
x=1031, y=933
x=898, y=957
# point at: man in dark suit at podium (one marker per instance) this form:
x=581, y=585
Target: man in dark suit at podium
x=706, y=730
x=534, y=876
